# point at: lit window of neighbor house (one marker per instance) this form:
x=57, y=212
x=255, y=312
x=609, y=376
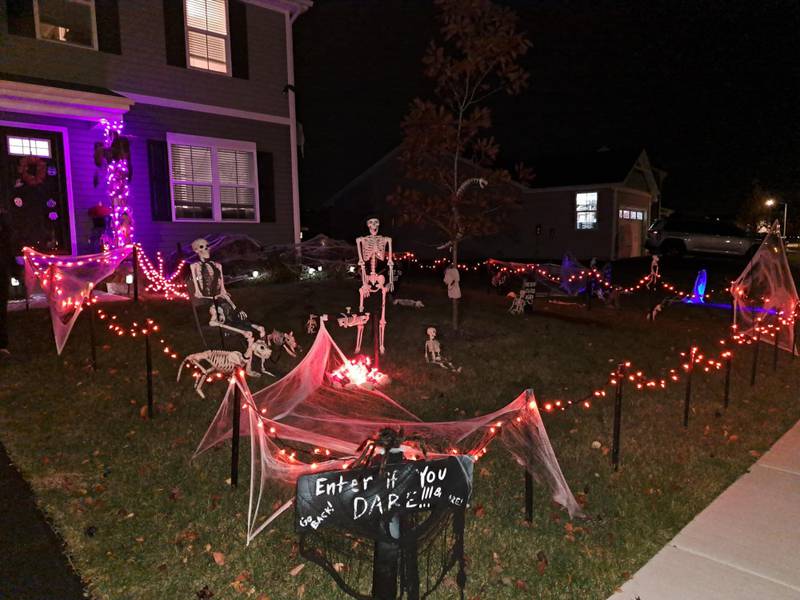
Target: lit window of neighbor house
x=20, y=146
x=213, y=179
x=586, y=210
x=207, y=40
x=66, y=21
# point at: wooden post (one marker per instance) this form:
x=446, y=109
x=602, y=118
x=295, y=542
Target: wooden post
x=528, y=496
x=148, y=361
x=755, y=356
x=237, y=414
x=90, y=308
x=727, y=398
x=617, y=417
x=775, y=350
x=688, y=398
x=136, y=273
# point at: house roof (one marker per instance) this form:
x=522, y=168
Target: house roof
x=60, y=99
x=603, y=166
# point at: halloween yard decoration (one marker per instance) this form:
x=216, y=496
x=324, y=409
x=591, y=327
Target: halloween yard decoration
x=433, y=352
x=524, y=301
x=223, y=363
x=311, y=324
x=209, y=283
x=408, y=302
x=409, y=514
x=451, y=280
x=375, y=249
x=357, y=320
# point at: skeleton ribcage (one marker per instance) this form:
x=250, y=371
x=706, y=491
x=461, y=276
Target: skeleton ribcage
x=374, y=248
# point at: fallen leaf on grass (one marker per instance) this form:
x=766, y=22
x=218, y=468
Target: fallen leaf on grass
x=541, y=562
x=188, y=536
x=263, y=597
x=204, y=594
x=755, y=453
x=219, y=558
x=480, y=511
x=521, y=585
x=301, y=590
x=175, y=494
x=296, y=571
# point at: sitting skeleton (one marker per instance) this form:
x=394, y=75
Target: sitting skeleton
x=311, y=324
x=433, y=352
x=517, y=304
x=226, y=362
x=357, y=320
x=209, y=283
x=525, y=299
x=408, y=302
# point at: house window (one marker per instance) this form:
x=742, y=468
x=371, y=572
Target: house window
x=586, y=210
x=66, y=21
x=633, y=215
x=23, y=146
x=212, y=179
x=207, y=39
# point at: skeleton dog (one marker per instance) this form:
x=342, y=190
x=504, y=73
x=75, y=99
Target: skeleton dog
x=226, y=362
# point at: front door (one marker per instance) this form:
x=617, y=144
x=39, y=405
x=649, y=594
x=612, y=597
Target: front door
x=630, y=230
x=33, y=188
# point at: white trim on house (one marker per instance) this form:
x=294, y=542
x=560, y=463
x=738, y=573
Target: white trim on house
x=67, y=167
x=216, y=204
x=292, y=130
x=51, y=101
x=204, y=108
x=294, y=8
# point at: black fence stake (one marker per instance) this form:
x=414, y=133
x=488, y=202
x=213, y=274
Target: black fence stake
x=688, y=398
x=148, y=359
x=775, y=350
x=727, y=398
x=755, y=356
x=90, y=308
x=135, y=273
x=617, y=417
x=528, y=496
x=237, y=414
x=588, y=292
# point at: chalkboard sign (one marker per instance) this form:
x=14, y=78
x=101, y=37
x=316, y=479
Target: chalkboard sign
x=367, y=499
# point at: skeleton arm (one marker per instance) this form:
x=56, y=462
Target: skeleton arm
x=361, y=263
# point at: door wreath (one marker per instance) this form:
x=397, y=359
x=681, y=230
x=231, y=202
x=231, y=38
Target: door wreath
x=32, y=170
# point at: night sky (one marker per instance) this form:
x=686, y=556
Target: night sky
x=710, y=89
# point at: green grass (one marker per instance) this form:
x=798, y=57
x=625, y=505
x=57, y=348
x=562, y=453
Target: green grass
x=93, y=461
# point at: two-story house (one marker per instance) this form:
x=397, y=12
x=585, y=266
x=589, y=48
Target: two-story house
x=204, y=89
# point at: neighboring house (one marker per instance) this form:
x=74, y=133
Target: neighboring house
x=204, y=88
x=593, y=205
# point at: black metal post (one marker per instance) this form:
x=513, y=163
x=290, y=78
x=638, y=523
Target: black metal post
x=528, y=496
x=237, y=415
x=90, y=308
x=148, y=361
x=688, y=397
x=755, y=357
x=588, y=292
x=727, y=398
x=617, y=417
x=135, y=273
x=775, y=350
x=386, y=557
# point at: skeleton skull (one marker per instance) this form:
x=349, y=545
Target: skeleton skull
x=373, y=225
x=431, y=331
x=200, y=247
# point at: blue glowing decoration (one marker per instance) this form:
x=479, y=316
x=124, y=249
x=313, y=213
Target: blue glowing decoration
x=699, y=290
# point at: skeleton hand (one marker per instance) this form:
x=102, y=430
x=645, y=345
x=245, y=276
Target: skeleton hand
x=242, y=315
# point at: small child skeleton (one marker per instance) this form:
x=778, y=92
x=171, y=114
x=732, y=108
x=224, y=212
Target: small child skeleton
x=433, y=352
x=226, y=362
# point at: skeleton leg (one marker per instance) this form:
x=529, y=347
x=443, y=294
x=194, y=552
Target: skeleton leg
x=363, y=292
x=359, y=337
x=201, y=380
x=382, y=322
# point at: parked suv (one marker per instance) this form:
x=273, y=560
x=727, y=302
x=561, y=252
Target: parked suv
x=678, y=235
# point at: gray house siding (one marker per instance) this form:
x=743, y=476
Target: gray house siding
x=145, y=123
x=142, y=67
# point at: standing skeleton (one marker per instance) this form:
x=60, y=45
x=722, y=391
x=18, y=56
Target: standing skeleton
x=375, y=248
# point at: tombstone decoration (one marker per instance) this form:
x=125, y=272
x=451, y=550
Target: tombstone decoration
x=433, y=352
x=375, y=249
x=209, y=284
x=397, y=514
x=357, y=320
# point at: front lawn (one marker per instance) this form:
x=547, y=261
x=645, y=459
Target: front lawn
x=142, y=520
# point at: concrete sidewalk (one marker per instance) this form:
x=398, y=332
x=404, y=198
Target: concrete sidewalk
x=744, y=546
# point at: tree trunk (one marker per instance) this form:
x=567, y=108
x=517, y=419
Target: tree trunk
x=455, y=300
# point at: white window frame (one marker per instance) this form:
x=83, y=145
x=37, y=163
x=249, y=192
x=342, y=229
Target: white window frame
x=94, y=45
x=228, y=72
x=215, y=144
x=595, y=211
x=633, y=212
x=29, y=140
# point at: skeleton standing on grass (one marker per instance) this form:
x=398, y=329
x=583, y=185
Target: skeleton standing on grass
x=433, y=352
x=374, y=249
x=209, y=283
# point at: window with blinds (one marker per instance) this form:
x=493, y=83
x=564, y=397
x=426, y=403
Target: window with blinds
x=212, y=179
x=586, y=210
x=207, y=39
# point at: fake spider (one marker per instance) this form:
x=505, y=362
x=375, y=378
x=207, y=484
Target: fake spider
x=389, y=441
